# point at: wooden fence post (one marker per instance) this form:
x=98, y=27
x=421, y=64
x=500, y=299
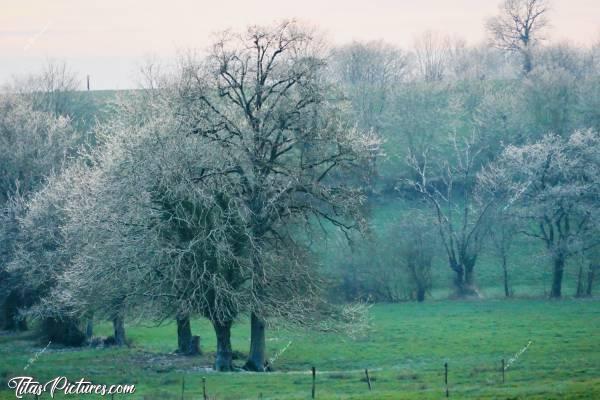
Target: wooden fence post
x=314, y=377
x=204, y=388
x=503, y=370
x=182, y=386
x=368, y=379
x=446, y=379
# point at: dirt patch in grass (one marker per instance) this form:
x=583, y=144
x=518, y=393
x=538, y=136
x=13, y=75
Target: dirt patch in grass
x=339, y=376
x=163, y=363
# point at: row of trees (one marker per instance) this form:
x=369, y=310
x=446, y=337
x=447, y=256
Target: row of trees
x=198, y=196
x=462, y=208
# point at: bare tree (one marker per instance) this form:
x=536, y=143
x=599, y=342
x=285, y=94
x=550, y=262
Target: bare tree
x=518, y=27
x=502, y=234
x=449, y=186
x=54, y=89
x=433, y=51
x=137, y=235
x=263, y=98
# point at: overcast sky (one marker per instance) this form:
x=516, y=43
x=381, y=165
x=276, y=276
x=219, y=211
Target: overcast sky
x=109, y=39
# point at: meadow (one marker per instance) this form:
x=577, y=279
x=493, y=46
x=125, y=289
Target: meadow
x=405, y=350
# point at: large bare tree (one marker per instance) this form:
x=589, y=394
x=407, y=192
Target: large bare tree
x=518, y=27
x=433, y=51
x=263, y=98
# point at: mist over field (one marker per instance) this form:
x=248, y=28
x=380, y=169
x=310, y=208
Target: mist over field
x=280, y=213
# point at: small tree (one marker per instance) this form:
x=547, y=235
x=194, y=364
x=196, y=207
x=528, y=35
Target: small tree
x=415, y=250
x=503, y=230
x=41, y=258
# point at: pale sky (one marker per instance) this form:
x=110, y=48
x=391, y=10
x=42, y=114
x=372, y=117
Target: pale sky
x=109, y=39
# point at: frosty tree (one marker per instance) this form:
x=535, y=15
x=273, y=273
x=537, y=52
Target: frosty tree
x=552, y=186
x=287, y=142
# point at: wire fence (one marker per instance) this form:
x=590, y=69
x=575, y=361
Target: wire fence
x=365, y=375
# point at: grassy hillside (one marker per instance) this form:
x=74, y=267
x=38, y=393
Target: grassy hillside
x=405, y=351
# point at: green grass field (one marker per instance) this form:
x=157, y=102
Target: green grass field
x=405, y=350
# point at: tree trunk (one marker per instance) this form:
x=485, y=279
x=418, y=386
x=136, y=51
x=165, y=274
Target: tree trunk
x=464, y=282
x=194, y=346
x=89, y=328
x=184, y=335
x=527, y=60
x=590, y=280
x=223, y=359
x=256, y=357
x=119, y=330
x=10, y=309
x=420, y=293
x=557, y=276
x=505, y=272
x=579, y=290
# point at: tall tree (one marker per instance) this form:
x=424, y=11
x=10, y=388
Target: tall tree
x=449, y=186
x=518, y=27
x=263, y=99
x=433, y=51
